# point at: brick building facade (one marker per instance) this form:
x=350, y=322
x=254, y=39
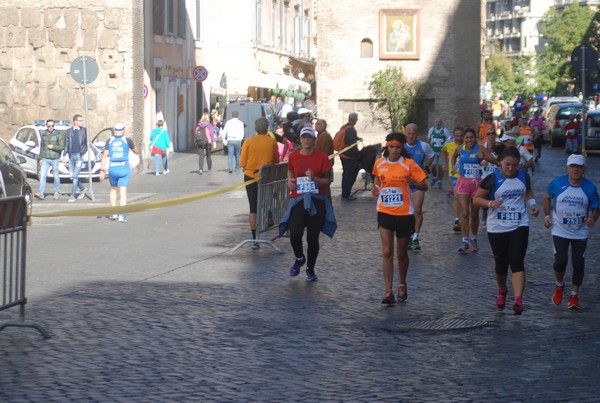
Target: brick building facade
x=449, y=59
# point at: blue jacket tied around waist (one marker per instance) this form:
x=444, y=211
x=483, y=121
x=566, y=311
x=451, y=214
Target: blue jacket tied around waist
x=329, y=226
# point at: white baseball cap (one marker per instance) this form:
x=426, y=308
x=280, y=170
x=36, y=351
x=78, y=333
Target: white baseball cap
x=576, y=159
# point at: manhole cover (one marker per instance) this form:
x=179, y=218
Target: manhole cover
x=443, y=324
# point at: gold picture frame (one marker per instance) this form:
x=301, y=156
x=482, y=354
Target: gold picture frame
x=399, y=33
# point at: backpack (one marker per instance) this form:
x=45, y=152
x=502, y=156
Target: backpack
x=339, y=140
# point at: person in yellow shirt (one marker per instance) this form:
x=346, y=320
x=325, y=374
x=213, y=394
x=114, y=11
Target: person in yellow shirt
x=447, y=152
x=257, y=151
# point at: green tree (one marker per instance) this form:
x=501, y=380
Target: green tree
x=565, y=30
x=512, y=76
x=499, y=72
x=393, y=98
x=525, y=72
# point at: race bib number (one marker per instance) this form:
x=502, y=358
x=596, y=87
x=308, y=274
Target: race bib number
x=507, y=215
x=437, y=142
x=490, y=168
x=392, y=197
x=573, y=219
x=305, y=185
x=472, y=171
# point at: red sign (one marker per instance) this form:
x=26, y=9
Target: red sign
x=145, y=91
x=200, y=73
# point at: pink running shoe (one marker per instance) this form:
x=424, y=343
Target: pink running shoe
x=518, y=306
x=501, y=299
x=402, y=292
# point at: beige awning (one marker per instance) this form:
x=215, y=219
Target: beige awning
x=272, y=80
x=291, y=83
x=263, y=80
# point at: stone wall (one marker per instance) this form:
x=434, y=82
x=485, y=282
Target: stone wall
x=450, y=60
x=39, y=41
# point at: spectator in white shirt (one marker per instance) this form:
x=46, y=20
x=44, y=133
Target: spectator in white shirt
x=233, y=134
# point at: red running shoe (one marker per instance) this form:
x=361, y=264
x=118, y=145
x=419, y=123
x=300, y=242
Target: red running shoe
x=573, y=302
x=557, y=296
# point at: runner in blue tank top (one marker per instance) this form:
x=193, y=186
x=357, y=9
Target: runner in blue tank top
x=469, y=167
x=423, y=155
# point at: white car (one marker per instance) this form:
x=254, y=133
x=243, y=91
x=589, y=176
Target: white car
x=26, y=143
x=557, y=100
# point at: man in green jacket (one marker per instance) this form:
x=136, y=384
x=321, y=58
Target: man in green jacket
x=51, y=146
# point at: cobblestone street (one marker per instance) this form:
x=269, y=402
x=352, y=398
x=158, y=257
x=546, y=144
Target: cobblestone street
x=159, y=309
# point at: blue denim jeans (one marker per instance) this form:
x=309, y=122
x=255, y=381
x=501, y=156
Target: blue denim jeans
x=46, y=164
x=160, y=159
x=75, y=164
x=233, y=151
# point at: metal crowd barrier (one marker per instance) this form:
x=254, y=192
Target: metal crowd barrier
x=13, y=247
x=273, y=196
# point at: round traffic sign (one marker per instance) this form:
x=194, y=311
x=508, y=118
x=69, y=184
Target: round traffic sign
x=84, y=70
x=145, y=91
x=584, y=57
x=200, y=73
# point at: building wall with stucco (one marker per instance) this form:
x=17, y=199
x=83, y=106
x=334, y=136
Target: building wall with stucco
x=449, y=60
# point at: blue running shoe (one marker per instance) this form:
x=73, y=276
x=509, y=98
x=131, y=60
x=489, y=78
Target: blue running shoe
x=433, y=182
x=310, y=274
x=295, y=270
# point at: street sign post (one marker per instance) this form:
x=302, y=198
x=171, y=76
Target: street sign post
x=84, y=70
x=584, y=58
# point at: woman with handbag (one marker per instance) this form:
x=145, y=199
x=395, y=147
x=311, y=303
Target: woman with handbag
x=159, y=146
x=205, y=141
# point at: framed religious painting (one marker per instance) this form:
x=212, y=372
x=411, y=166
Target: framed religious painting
x=399, y=33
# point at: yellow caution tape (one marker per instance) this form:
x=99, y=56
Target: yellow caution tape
x=134, y=208
x=154, y=205
x=332, y=156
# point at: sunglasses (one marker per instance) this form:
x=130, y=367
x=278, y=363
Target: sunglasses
x=50, y=126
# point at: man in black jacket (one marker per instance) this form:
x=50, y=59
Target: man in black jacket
x=76, y=149
x=349, y=159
